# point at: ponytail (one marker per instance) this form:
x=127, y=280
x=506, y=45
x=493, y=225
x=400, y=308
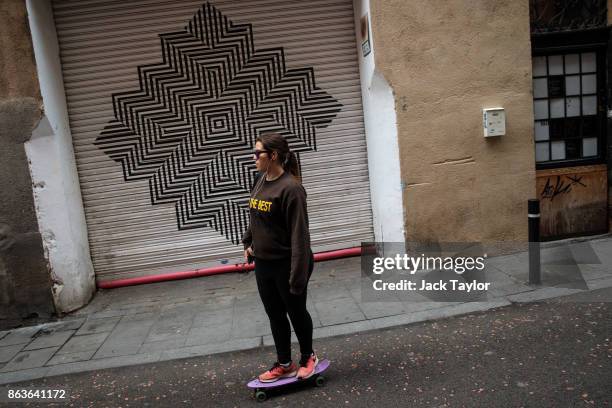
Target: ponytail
x=291, y=165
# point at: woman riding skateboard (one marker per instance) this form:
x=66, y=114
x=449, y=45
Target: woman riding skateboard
x=279, y=241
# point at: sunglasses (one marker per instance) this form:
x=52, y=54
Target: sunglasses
x=256, y=153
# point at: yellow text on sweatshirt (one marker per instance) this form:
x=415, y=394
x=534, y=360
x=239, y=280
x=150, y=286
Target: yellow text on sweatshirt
x=261, y=205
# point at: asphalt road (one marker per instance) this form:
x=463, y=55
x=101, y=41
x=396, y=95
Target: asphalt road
x=556, y=354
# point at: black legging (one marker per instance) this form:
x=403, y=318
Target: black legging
x=273, y=283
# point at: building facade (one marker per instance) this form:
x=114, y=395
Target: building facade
x=133, y=154
x=569, y=42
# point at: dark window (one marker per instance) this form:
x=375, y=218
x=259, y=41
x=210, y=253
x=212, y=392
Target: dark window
x=569, y=40
x=567, y=106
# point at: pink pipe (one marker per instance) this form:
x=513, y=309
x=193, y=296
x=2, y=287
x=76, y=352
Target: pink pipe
x=216, y=270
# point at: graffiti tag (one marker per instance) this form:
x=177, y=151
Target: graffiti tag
x=561, y=186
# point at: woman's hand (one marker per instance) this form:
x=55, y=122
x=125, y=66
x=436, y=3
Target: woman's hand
x=248, y=253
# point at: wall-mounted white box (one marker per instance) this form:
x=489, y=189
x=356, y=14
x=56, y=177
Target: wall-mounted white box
x=494, y=122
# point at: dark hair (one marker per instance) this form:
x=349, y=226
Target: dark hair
x=276, y=143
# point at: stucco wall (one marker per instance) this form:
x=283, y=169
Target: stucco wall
x=381, y=137
x=25, y=284
x=446, y=61
x=57, y=193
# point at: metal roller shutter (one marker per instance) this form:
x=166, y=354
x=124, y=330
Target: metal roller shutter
x=165, y=99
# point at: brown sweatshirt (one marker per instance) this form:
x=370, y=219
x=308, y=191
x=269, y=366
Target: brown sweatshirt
x=279, y=226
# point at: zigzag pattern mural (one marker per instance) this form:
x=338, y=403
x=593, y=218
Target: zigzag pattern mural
x=191, y=127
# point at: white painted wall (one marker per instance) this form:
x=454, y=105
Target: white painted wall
x=57, y=194
x=381, y=139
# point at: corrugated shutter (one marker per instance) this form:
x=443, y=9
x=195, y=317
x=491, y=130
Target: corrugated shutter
x=105, y=45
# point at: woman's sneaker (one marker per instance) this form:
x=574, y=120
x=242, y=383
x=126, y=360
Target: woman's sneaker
x=277, y=372
x=307, y=367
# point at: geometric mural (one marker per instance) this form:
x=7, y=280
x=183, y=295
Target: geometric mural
x=190, y=128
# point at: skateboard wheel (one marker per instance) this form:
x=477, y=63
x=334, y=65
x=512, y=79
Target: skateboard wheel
x=260, y=396
x=320, y=381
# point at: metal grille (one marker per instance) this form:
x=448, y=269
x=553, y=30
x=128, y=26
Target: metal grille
x=563, y=15
x=165, y=100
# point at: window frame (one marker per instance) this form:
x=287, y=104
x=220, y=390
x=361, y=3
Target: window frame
x=558, y=43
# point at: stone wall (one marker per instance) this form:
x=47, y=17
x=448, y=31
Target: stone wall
x=25, y=283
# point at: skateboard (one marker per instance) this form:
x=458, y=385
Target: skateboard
x=260, y=388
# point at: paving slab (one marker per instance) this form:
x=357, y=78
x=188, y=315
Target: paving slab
x=248, y=300
x=109, y=313
x=23, y=375
x=102, y=364
x=8, y=352
x=29, y=359
x=231, y=345
x=91, y=326
x=218, y=302
x=85, y=343
x=373, y=310
x=249, y=323
x=156, y=346
x=142, y=310
x=314, y=315
x=340, y=329
x=515, y=265
x=128, y=336
x=337, y=311
x=412, y=307
x=216, y=333
x=268, y=340
x=542, y=294
x=170, y=327
x=213, y=318
x=327, y=292
x=504, y=284
x=69, y=324
x=19, y=336
x=600, y=284
x=590, y=272
x=137, y=305
x=49, y=338
x=179, y=308
x=437, y=313
x=71, y=357
x=604, y=253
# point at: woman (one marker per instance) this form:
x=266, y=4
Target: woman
x=279, y=241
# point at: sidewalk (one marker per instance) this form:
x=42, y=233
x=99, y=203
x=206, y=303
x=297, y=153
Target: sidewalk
x=172, y=320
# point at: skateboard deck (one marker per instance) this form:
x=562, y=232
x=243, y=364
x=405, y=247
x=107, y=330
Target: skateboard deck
x=260, y=387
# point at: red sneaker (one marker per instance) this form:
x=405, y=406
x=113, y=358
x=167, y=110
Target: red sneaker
x=277, y=372
x=307, y=368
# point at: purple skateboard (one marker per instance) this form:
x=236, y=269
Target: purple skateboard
x=260, y=387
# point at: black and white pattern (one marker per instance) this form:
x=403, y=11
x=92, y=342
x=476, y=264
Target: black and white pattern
x=191, y=127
